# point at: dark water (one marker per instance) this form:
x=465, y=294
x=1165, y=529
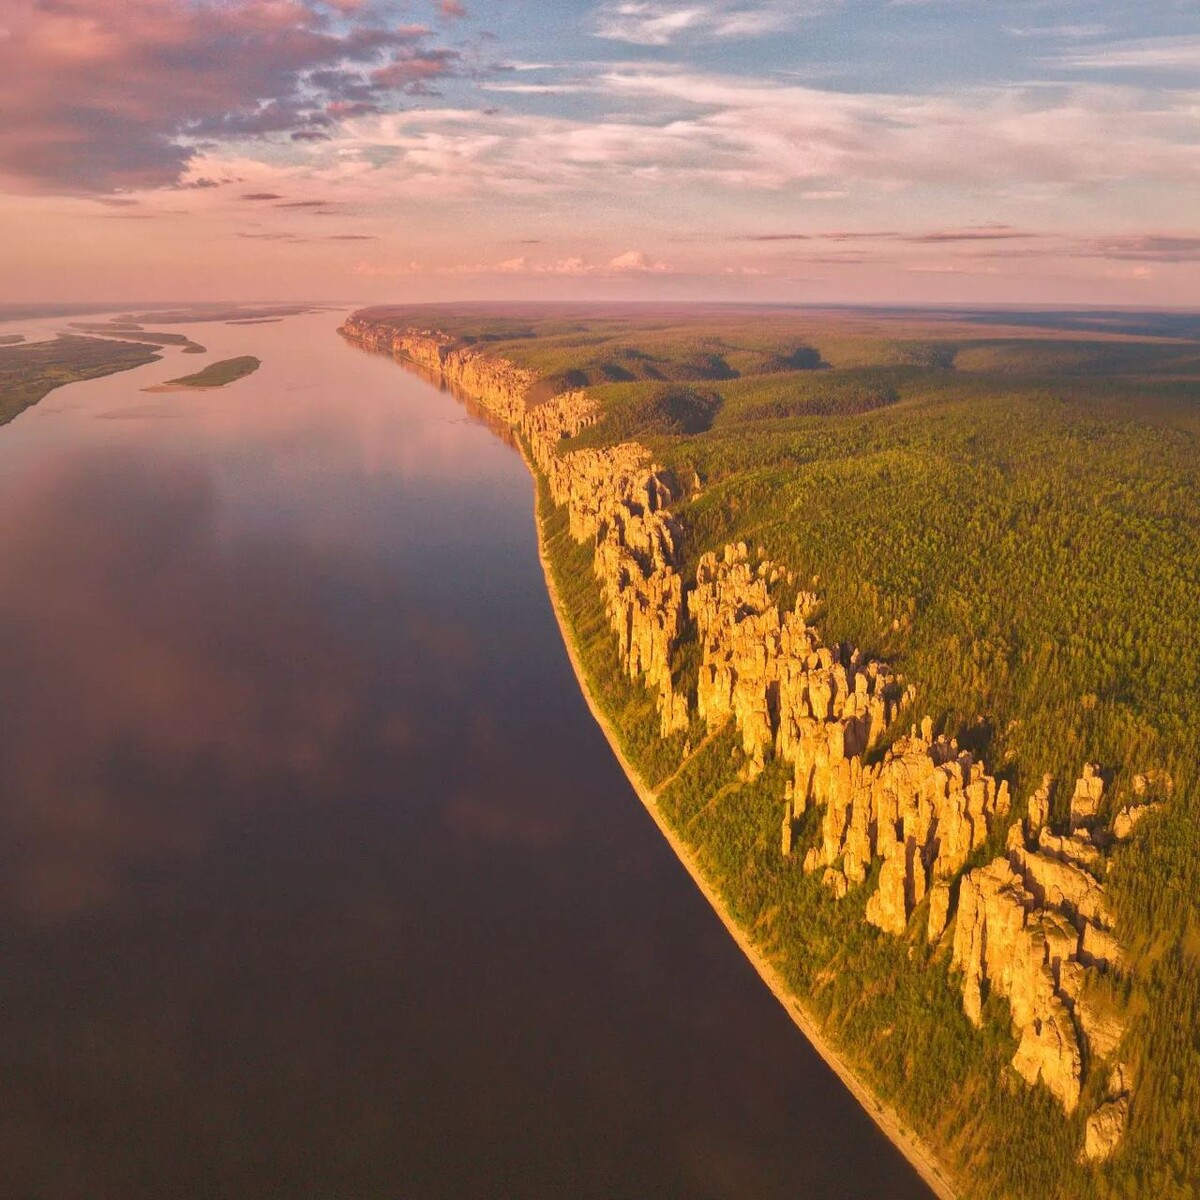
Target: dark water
x=318, y=879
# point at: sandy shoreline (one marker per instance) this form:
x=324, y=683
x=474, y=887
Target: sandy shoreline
x=888, y=1121
x=160, y=388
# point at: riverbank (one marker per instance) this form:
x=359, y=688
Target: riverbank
x=887, y=1120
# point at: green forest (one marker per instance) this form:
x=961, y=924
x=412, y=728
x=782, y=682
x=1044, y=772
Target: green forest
x=1006, y=508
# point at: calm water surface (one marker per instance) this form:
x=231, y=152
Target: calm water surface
x=316, y=878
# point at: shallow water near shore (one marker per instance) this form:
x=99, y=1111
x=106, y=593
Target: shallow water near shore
x=319, y=879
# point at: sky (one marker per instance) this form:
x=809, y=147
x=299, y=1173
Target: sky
x=966, y=151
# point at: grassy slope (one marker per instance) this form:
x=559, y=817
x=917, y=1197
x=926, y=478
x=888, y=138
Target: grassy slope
x=29, y=372
x=1015, y=522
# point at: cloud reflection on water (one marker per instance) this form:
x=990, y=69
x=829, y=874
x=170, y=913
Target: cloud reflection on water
x=161, y=670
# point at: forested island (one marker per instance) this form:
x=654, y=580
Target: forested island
x=890, y=616
x=30, y=371
x=215, y=375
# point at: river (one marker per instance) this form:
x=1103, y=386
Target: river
x=318, y=879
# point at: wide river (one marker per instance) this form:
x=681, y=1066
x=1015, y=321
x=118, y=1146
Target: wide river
x=318, y=880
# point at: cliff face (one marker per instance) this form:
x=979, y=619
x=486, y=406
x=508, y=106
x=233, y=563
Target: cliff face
x=1033, y=927
x=767, y=669
x=616, y=499
x=500, y=384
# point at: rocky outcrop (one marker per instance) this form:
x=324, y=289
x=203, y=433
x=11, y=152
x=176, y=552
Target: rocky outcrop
x=500, y=384
x=1087, y=797
x=1035, y=928
x=1106, y=1126
x=922, y=809
x=1005, y=944
x=765, y=667
x=635, y=559
x=821, y=709
x=617, y=499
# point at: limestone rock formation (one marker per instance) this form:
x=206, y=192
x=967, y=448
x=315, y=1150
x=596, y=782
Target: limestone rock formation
x=500, y=384
x=939, y=910
x=1087, y=797
x=1128, y=817
x=617, y=499
x=835, y=882
x=1038, y=811
x=1003, y=943
x=1106, y=1126
x=923, y=809
x=766, y=668
x=1035, y=927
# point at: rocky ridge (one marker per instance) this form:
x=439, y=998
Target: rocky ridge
x=1032, y=926
x=1035, y=927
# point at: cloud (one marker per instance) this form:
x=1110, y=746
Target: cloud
x=535, y=89
x=573, y=265
x=635, y=260
x=1157, y=248
x=665, y=128
x=378, y=270
x=659, y=23
x=983, y=233
x=414, y=71
x=645, y=24
x=977, y=233
x=100, y=96
x=1058, y=31
x=1157, y=53
x=763, y=134
x=776, y=237
x=632, y=262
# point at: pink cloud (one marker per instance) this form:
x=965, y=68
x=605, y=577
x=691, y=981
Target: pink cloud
x=636, y=260
x=101, y=96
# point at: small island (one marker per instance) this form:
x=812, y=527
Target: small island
x=216, y=375
x=128, y=331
